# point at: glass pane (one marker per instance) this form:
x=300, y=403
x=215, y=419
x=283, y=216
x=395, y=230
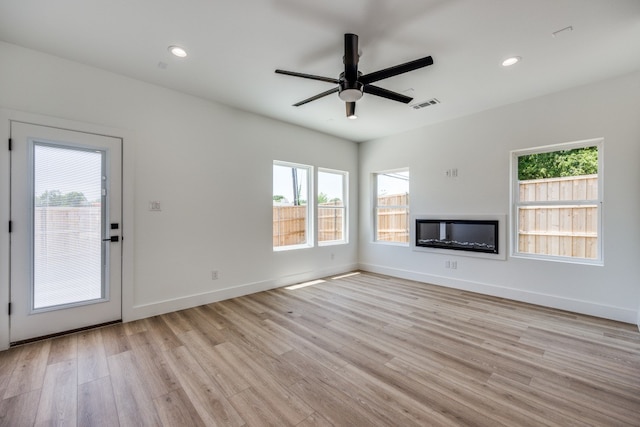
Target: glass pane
x=568, y=231
x=559, y=175
x=556, y=164
x=393, y=188
x=583, y=187
x=330, y=189
x=330, y=224
x=392, y=225
x=290, y=190
x=67, y=226
x=331, y=221
x=392, y=207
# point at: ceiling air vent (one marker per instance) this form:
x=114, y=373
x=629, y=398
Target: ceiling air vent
x=427, y=103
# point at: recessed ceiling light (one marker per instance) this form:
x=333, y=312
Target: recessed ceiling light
x=178, y=51
x=511, y=61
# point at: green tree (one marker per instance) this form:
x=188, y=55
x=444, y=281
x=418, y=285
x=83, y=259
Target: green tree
x=56, y=198
x=75, y=198
x=278, y=198
x=576, y=162
x=49, y=198
x=322, y=198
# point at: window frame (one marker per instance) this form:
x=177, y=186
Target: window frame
x=516, y=204
x=309, y=223
x=344, y=207
x=376, y=207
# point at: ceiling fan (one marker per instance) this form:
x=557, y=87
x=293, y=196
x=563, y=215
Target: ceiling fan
x=352, y=84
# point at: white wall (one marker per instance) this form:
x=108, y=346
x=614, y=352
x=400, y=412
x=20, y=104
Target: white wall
x=478, y=146
x=209, y=165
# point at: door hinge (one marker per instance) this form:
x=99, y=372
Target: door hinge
x=10, y=144
x=10, y=226
x=9, y=309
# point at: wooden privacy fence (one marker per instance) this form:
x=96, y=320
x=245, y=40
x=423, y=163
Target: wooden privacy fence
x=63, y=233
x=393, y=221
x=330, y=222
x=289, y=223
x=559, y=230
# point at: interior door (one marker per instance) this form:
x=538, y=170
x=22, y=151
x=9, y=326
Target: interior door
x=65, y=230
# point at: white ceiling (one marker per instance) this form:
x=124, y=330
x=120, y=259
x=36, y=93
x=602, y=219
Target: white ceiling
x=235, y=46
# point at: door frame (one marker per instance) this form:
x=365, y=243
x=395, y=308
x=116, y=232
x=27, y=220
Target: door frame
x=6, y=116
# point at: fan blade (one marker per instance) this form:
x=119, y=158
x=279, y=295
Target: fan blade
x=318, y=96
x=308, y=76
x=378, y=91
x=351, y=110
x=350, y=57
x=394, y=71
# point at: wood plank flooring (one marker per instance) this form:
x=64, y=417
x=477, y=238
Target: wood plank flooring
x=360, y=350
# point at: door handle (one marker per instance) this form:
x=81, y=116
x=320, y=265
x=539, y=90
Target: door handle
x=112, y=239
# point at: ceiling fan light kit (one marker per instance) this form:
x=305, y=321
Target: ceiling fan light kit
x=351, y=110
x=352, y=84
x=350, y=91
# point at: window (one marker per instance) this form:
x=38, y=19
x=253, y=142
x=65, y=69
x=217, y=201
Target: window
x=557, y=194
x=392, y=206
x=332, y=213
x=291, y=210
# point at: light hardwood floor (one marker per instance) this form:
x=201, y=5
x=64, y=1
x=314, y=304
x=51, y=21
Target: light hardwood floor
x=362, y=350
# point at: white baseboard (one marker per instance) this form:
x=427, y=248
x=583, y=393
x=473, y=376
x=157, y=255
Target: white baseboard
x=552, y=301
x=161, y=307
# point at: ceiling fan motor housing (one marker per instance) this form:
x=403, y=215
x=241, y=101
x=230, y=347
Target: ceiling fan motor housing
x=350, y=91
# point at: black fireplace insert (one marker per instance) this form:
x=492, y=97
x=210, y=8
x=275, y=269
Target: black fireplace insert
x=462, y=235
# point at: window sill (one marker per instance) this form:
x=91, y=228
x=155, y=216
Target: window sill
x=387, y=243
x=333, y=243
x=565, y=260
x=291, y=248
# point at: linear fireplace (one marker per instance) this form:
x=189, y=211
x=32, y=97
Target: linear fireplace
x=458, y=234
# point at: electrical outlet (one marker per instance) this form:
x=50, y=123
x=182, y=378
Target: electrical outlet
x=447, y=264
x=333, y=256
x=454, y=265
x=451, y=173
x=155, y=206
x=214, y=275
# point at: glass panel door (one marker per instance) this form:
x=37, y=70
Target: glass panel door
x=68, y=225
x=66, y=210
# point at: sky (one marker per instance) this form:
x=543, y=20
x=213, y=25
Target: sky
x=67, y=170
x=331, y=183
x=393, y=183
x=328, y=183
